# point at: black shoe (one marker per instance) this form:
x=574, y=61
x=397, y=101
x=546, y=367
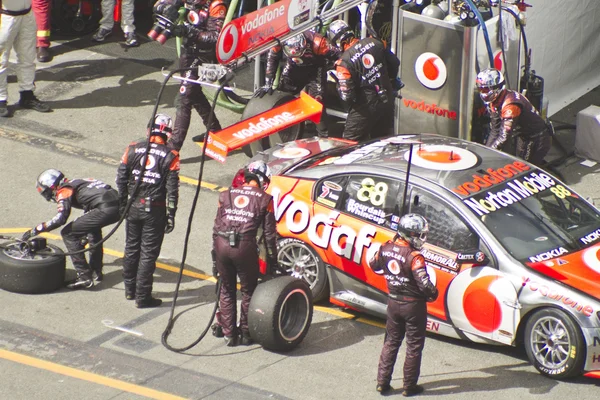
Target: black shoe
x=149, y=302
x=82, y=282
x=4, y=109
x=412, y=390
x=199, y=138
x=130, y=294
x=217, y=330
x=98, y=276
x=131, y=40
x=246, y=340
x=28, y=100
x=231, y=341
x=383, y=388
x=43, y=54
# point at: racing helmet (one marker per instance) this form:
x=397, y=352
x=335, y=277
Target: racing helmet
x=258, y=171
x=491, y=84
x=162, y=126
x=295, y=46
x=48, y=182
x=413, y=228
x=339, y=32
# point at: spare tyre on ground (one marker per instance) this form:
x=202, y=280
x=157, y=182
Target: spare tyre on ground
x=31, y=267
x=280, y=313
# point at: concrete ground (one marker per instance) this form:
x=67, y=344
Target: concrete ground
x=97, y=345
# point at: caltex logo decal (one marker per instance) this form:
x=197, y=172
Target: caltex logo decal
x=431, y=70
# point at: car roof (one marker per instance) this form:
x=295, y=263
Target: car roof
x=445, y=161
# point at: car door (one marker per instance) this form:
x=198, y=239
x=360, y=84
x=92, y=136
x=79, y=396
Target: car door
x=475, y=297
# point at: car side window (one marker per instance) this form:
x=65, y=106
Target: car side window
x=446, y=229
x=371, y=198
x=329, y=191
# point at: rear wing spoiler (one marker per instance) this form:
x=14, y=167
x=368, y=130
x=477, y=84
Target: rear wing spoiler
x=303, y=108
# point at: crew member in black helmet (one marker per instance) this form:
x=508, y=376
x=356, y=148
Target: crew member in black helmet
x=152, y=213
x=100, y=203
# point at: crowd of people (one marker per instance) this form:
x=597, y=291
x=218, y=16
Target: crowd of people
x=366, y=74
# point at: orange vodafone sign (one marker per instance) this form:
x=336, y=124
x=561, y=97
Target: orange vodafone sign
x=274, y=120
x=259, y=27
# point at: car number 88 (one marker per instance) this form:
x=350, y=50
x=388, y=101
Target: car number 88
x=560, y=191
x=372, y=192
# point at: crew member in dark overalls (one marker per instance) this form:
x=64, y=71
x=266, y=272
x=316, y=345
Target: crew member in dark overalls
x=241, y=212
x=307, y=58
x=366, y=74
x=512, y=115
x=152, y=213
x=200, y=32
x=100, y=203
x=401, y=263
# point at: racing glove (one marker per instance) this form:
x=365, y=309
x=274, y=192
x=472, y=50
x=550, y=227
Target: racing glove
x=29, y=234
x=267, y=88
x=179, y=30
x=170, y=224
x=397, y=85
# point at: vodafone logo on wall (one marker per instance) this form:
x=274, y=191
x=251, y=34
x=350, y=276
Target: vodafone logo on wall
x=431, y=70
x=498, y=63
x=228, y=41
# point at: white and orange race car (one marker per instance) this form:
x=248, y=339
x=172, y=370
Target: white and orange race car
x=514, y=252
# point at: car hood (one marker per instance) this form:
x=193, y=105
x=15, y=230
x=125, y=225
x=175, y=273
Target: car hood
x=579, y=270
x=281, y=157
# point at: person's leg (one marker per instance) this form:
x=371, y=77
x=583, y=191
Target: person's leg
x=394, y=334
x=24, y=46
x=41, y=11
x=107, y=21
x=227, y=294
x=8, y=32
x=184, y=106
x=131, y=258
x=416, y=325
x=248, y=269
x=153, y=232
x=357, y=124
x=127, y=23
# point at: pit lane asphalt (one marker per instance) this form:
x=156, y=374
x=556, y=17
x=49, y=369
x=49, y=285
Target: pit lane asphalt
x=62, y=346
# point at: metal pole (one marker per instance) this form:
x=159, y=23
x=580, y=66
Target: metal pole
x=406, y=180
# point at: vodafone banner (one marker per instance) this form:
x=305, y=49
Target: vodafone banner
x=235, y=136
x=257, y=28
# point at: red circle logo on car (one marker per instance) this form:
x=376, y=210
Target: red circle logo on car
x=442, y=157
x=431, y=70
x=591, y=258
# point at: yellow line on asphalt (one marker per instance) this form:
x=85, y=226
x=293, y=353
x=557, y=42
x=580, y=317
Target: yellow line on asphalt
x=87, y=376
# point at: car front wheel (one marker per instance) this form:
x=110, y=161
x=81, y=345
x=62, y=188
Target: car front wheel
x=554, y=344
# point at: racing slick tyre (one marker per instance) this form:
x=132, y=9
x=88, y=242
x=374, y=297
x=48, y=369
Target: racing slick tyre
x=301, y=260
x=554, y=344
x=258, y=105
x=41, y=272
x=280, y=313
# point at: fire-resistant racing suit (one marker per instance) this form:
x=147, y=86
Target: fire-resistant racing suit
x=41, y=11
x=241, y=212
x=364, y=72
x=154, y=205
x=200, y=34
x=100, y=204
x=308, y=72
x=512, y=115
x=409, y=289
x=18, y=29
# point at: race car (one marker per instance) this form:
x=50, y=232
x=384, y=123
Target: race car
x=514, y=252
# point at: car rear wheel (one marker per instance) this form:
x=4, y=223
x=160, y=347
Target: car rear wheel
x=554, y=344
x=280, y=313
x=40, y=272
x=301, y=260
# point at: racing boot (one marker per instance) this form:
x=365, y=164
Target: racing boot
x=130, y=289
x=98, y=276
x=412, y=390
x=231, y=341
x=4, y=113
x=148, y=302
x=29, y=101
x=217, y=330
x=383, y=388
x=82, y=281
x=246, y=340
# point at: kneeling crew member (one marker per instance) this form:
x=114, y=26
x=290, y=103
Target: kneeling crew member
x=241, y=212
x=100, y=203
x=410, y=288
x=152, y=213
x=512, y=115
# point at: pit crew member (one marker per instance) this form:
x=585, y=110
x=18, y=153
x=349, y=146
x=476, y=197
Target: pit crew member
x=241, y=212
x=366, y=74
x=308, y=56
x=152, y=213
x=200, y=32
x=100, y=203
x=512, y=115
x=403, y=266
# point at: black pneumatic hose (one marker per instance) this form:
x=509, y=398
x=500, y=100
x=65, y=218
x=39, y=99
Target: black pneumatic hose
x=172, y=318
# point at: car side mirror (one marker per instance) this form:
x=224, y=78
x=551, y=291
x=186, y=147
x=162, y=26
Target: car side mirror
x=476, y=258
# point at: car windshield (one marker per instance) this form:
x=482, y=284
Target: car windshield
x=544, y=225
